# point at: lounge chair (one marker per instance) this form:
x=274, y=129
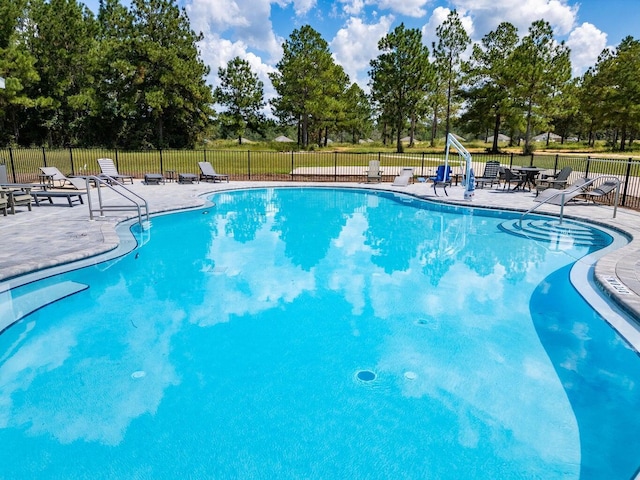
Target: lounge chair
x=208, y=173
x=441, y=179
x=556, y=196
x=373, y=172
x=110, y=172
x=600, y=192
x=554, y=181
x=490, y=175
x=73, y=190
x=404, y=177
x=51, y=175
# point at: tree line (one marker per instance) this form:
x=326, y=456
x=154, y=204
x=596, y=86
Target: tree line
x=133, y=78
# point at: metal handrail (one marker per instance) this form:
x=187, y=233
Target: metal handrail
x=109, y=182
x=563, y=193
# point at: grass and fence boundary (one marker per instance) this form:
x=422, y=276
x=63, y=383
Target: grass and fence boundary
x=250, y=165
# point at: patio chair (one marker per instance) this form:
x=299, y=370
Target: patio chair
x=558, y=180
x=404, y=177
x=109, y=172
x=490, y=175
x=512, y=177
x=4, y=201
x=373, y=172
x=441, y=179
x=208, y=173
x=18, y=196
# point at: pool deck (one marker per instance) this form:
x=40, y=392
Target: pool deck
x=56, y=234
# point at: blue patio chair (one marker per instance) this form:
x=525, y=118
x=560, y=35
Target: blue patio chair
x=441, y=179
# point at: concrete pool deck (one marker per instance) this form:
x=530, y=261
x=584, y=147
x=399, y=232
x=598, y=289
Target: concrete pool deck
x=56, y=234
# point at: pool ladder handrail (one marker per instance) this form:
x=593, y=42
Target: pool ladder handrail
x=563, y=193
x=137, y=202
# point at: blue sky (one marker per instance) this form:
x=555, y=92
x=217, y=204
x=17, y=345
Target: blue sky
x=255, y=29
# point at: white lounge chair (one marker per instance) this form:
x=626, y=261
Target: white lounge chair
x=404, y=177
x=109, y=171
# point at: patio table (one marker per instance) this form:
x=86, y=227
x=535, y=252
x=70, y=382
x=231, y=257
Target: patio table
x=530, y=175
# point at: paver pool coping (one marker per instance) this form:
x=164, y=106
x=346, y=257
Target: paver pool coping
x=51, y=235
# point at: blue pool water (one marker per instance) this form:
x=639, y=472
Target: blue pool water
x=319, y=334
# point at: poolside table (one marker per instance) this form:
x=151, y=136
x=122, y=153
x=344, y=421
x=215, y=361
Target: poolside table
x=530, y=175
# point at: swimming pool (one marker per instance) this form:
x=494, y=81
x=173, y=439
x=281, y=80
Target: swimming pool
x=321, y=333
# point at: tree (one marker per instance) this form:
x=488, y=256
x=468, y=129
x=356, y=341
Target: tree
x=566, y=118
x=618, y=89
x=541, y=69
x=452, y=42
x=489, y=75
x=304, y=71
x=358, y=113
x=60, y=35
x=154, y=61
x=401, y=77
x=242, y=92
x=17, y=67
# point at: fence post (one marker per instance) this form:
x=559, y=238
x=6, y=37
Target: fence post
x=586, y=168
x=422, y=165
x=161, y=162
x=511, y=160
x=531, y=161
x=204, y=151
x=44, y=157
x=73, y=170
x=555, y=166
x=626, y=180
x=249, y=163
x=13, y=166
x=117, y=167
x=335, y=166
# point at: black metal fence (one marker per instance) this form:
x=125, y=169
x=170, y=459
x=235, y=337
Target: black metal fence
x=23, y=164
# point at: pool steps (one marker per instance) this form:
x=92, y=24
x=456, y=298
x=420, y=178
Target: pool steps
x=15, y=307
x=550, y=230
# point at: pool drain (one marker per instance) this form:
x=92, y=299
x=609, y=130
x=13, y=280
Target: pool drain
x=366, y=375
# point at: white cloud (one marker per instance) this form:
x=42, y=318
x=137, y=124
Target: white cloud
x=247, y=20
x=356, y=44
x=411, y=8
x=353, y=7
x=301, y=7
x=586, y=43
x=488, y=14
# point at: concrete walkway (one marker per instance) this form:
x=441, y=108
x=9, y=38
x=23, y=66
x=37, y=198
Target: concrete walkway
x=56, y=234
